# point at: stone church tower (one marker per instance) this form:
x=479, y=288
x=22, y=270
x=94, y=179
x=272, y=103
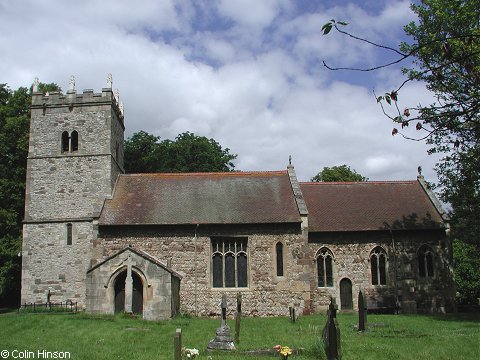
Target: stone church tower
x=75, y=156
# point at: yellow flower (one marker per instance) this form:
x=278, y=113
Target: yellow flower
x=285, y=351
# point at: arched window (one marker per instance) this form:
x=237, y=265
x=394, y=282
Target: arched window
x=325, y=267
x=65, y=141
x=74, y=141
x=70, y=141
x=425, y=261
x=229, y=262
x=217, y=269
x=69, y=234
x=279, y=254
x=378, y=264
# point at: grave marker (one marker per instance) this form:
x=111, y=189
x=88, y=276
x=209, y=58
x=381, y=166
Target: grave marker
x=177, y=345
x=362, y=312
x=331, y=333
x=292, y=312
x=238, y=317
x=222, y=340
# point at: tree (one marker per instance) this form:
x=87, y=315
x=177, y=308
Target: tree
x=447, y=59
x=187, y=153
x=467, y=277
x=141, y=154
x=445, y=54
x=338, y=173
x=14, y=132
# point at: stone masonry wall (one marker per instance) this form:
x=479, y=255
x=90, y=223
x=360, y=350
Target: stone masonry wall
x=351, y=260
x=66, y=187
x=266, y=294
x=48, y=263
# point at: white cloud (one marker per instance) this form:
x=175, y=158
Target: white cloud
x=250, y=13
x=384, y=163
x=256, y=86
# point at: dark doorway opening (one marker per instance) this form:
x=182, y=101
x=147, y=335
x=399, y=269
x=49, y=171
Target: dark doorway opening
x=346, y=300
x=137, y=295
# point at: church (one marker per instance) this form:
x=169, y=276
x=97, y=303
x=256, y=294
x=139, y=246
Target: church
x=162, y=244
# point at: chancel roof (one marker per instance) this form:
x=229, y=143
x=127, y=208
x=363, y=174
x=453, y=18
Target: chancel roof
x=364, y=206
x=201, y=198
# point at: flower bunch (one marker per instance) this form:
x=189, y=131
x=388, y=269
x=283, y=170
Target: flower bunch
x=189, y=353
x=283, y=351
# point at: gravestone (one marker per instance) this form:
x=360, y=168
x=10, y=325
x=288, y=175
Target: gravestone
x=331, y=333
x=362, y=312
x=222, y=340
x=238, y=317
x=177, y=345
x=293, y=315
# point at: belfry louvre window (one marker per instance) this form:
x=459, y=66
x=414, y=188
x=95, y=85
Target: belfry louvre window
x=74, y=141
x=425, y=261
x=65, y=141
x=325, y=267
x=70, y=141
x=229, y=262
x=378, y=263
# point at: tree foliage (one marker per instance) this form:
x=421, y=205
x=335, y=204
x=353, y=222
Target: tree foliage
x=145, y=153
x=467, y=277
x=447, y=59
x=14, y=132
x=445, y=54
x=338, y=173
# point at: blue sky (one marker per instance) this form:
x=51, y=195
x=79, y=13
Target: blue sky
x=247, y=73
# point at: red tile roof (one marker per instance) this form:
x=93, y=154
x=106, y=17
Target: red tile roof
x=361, y=206
x=201, y=198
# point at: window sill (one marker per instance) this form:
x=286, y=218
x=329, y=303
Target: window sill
x=232, y=289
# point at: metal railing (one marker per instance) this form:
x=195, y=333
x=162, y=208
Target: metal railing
x=66, y=306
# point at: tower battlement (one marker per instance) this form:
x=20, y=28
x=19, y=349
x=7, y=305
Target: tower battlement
x=57, y=100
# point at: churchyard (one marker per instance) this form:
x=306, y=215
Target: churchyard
x=394, y=337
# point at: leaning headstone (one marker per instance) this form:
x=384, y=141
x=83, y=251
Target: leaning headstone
x=177, y=345
x=362, y=312
x=222, y=340
x=331, y=333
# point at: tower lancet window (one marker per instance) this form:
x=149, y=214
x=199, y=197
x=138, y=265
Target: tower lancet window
x=70, y=141
x=65, y=141
x=74, y=141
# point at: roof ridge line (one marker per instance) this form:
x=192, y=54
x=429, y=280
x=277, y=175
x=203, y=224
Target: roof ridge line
x=225, y=173
x=358, y=182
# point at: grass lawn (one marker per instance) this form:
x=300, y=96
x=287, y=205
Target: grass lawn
x=393, y=337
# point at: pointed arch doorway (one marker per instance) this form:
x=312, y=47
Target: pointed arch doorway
x=346, y=300
x=137, y=293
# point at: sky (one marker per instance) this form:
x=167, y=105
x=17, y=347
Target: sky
x=247, y=73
